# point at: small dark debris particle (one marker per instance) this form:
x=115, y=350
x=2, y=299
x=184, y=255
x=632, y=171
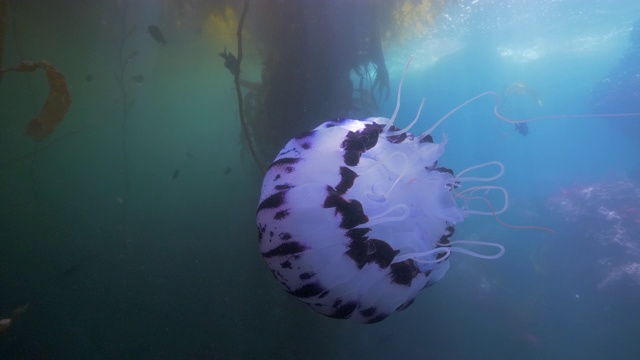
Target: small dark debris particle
x=281, y=214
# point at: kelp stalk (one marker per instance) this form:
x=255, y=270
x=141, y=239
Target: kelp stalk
x=243, y=121
x=127, y=105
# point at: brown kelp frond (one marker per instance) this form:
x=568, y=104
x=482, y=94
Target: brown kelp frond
x=56, y=105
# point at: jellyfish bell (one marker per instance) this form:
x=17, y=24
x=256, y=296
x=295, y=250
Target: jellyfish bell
x=355, y=217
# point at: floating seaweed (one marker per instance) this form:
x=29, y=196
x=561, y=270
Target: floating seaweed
x=230, y=62
x=156, y=34
x=56, y=105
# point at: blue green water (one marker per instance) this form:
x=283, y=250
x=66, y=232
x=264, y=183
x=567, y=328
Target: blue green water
x=183, y=277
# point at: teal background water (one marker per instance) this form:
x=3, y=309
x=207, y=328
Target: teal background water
x=185, y=280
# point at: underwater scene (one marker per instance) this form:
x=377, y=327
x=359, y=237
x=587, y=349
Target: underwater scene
x=361, y=179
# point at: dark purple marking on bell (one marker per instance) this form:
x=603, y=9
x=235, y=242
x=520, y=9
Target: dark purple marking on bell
x=285, y=236
x=305, y=134
x=357, y=233
x=283, y=187
x=369, y=135
x=334, y=122
x=363, y=250
x=337, y=302
x=352, y=158
x=432, y=167
x=404, y=272
x=282, y=153
x=345, y=310
x=396, y=139
x=284, y=161
x=307, y=275
x=285, y=249
x=368, y=312
x=377, y=318
x=444, y=170
x=445, y=238
x=354, y=142
x=272, y=202
x=285, y=285
x=445, y=241
x=426, y=139
x=286, y=265
x=405, y=305
x=281, y=214
x=350, y=210
x=347, y=178
x=449, y=231
x=261, y=230
x=308, y=290
x=442, y=256
x=353, y=147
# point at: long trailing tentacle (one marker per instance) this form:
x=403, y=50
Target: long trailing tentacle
x=395, y=112
x=471, y=190
x=402, y=131
x=444, y=251
x=512, y=121
x=491, y=178
x=383, y=218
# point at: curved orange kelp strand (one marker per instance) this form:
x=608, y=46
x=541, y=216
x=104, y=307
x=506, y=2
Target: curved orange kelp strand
x=57, y=104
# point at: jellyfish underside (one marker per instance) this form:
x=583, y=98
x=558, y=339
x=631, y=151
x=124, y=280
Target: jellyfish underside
x=400, y=164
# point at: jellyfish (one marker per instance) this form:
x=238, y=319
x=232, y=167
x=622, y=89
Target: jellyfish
x=356, y=217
